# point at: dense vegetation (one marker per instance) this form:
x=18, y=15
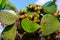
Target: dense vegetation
x=34, y=23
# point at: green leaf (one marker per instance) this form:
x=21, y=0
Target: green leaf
x=49, y=24
x=7, y=18
x=29, y=26
x=50, y=7
x=9, y=32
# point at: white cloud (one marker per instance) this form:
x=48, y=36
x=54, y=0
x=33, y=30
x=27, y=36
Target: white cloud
x=42, y=2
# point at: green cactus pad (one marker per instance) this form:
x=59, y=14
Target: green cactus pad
x=9, y=33
x=49, y=24
x=29, y=26
x=7, y=17
x=50, y=7
x=31, y=13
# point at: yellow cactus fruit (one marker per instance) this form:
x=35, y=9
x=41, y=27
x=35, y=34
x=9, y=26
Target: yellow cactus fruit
x=22, y=10
x=38, y=12
x=35, y=18
x=58, y=11
x=36, y=15
x=39, y=7
x=30, y=16
x=35, y=8
x=30, y=6
x=25, y=11
x=55, y=14
x=25, y=15
x=22, y=16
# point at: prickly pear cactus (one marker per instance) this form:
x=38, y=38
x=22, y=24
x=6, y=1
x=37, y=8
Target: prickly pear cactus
x=7, y=18
x=9, y=32
x=29, y=26
x=50, y=7
x=49, y=24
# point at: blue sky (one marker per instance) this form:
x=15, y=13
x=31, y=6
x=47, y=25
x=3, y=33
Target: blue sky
x=22, y=3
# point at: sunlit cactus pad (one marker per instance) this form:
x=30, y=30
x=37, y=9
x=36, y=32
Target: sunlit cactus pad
x=9, y=32
x=29, y=26
x=7, y=17
x=50, y=7
x=49, y=24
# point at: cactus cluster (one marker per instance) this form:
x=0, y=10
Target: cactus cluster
x=38, y=22
x=45, y=16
